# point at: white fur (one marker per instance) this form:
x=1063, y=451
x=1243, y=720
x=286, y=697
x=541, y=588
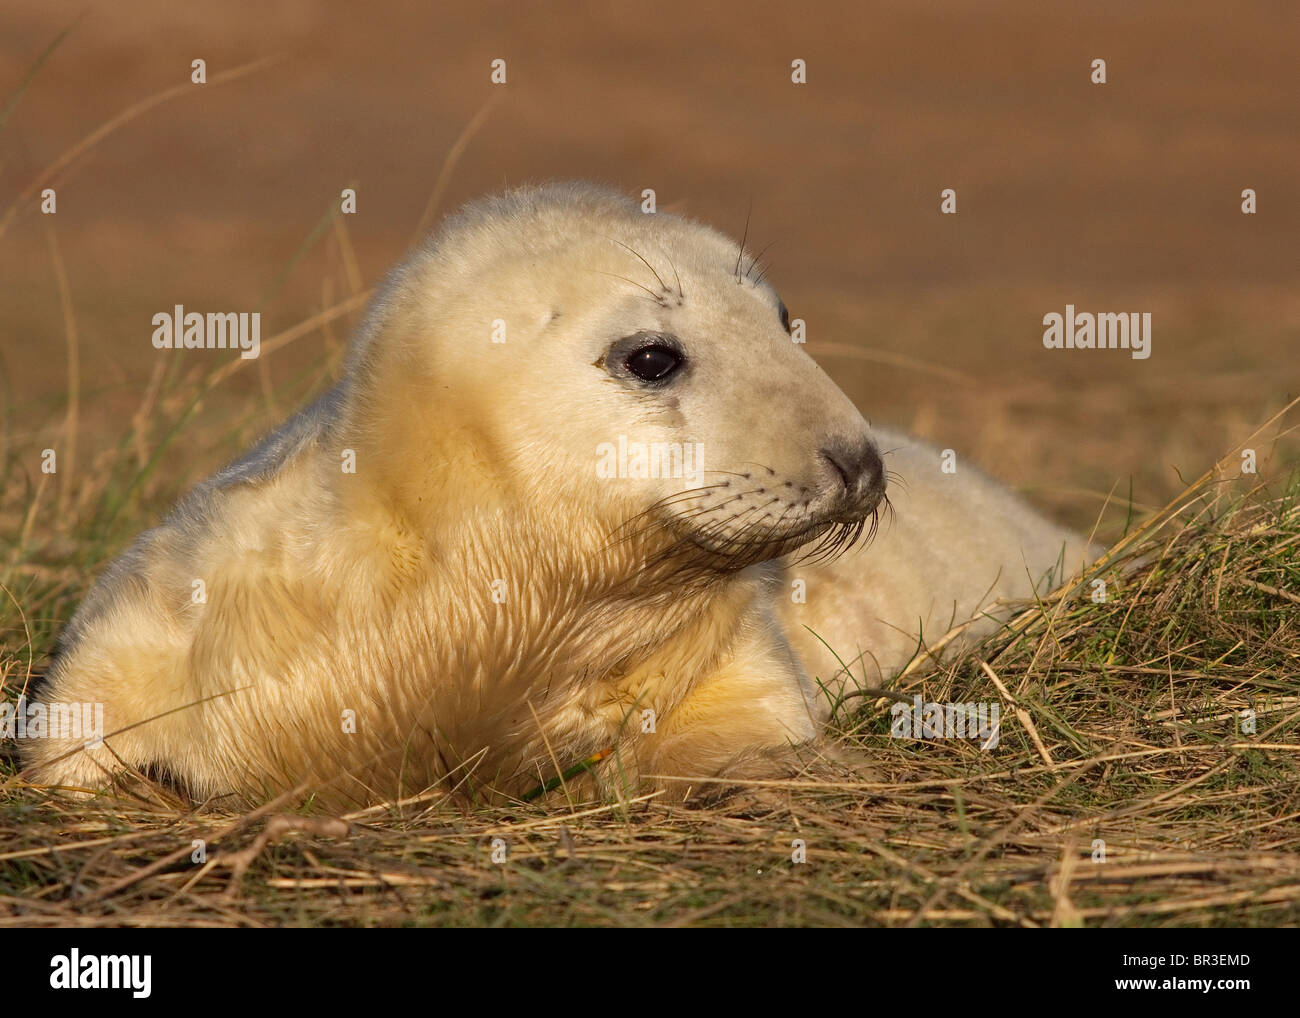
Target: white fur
x=372, y=592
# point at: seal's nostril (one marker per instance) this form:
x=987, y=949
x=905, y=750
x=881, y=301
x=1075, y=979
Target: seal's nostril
x=858, y=464
x=873, y=470
x=830, y=457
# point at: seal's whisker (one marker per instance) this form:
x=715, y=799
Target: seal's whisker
x=757, y=465
x=667, y=501
x=681, y=294
x=687, y=493
x=757, y=258
x=657, y=298
x=656, y=524
x=646, y=263
x=839, y=539
x=744, y=237
x=717, y=525
x=740, y=540
x=653, y=525
x=727, y=473
x=889, y=508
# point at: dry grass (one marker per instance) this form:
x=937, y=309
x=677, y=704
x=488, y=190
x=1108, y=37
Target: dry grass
x=1121, y=724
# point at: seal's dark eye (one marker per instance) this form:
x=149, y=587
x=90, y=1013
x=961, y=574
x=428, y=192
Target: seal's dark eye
x=785, y=315
x=653, y=363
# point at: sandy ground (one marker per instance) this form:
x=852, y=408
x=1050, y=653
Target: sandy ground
x=1115, y=197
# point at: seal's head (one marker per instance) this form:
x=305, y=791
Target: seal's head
x=628, y=369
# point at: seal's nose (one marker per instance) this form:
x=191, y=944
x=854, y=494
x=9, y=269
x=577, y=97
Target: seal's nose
x=861, y=472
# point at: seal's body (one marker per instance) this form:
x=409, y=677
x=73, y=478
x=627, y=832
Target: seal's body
x=957, y=551
x=553, y=507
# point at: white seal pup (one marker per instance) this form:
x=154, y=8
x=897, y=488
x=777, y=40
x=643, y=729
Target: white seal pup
x=539, y=521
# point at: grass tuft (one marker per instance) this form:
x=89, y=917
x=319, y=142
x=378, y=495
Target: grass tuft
x=1127, y=788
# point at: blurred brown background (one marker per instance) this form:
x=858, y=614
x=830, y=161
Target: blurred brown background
x=1115, y=197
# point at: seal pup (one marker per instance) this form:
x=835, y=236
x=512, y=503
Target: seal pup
x=539, y=520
